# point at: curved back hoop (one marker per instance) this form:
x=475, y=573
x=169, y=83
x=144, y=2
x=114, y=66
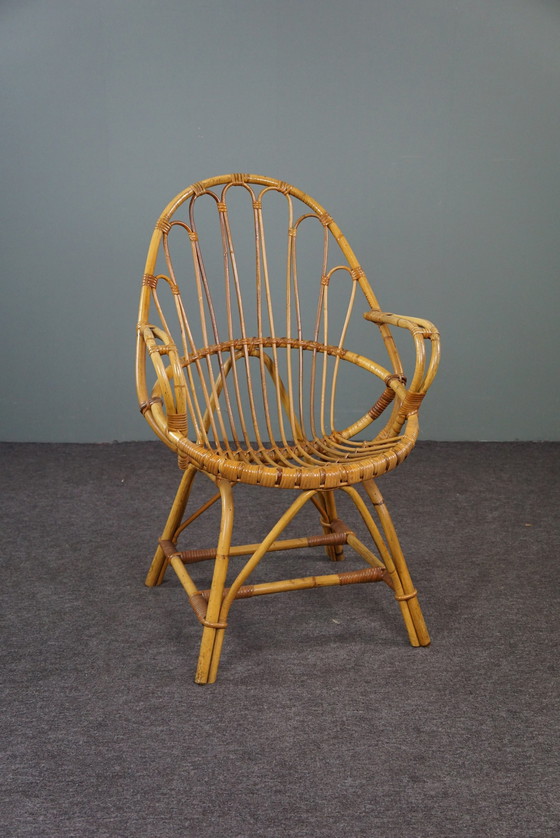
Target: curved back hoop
x=236, y=369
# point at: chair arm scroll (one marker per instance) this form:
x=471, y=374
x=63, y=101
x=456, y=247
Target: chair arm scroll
x=420, y=330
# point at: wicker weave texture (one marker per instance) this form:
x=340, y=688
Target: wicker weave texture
x=246, y=377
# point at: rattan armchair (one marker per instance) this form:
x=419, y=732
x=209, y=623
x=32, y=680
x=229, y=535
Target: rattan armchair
x=248, y=383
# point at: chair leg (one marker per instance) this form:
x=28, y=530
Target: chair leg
x=159, y=562
x=213, y=632
x=245, y=572
x=338, y=549
x=326, y=504
x=405, y=592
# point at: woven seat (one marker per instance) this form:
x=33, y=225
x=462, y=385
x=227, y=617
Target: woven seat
x=252, y=383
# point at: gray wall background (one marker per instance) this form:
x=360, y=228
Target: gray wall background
x=428, y=128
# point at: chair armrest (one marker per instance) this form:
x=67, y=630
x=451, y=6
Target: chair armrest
x=170, y=389
x=420, y=330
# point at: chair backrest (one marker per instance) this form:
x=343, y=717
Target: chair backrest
x=248, y=295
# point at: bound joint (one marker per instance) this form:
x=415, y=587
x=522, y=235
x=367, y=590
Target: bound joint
x=199, y=606
x=406, y=597
x=395, y=377
x=337, y=526
x=411, y=403
x=357, y=272
x=147, y=405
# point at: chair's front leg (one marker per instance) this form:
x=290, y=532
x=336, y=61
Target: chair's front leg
x=159, y=562
x=246, y=571
x=213, y=632
x=406, y=594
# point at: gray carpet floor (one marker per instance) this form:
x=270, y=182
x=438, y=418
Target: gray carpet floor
x=324, y=722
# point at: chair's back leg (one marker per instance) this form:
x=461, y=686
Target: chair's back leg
x=159, y=562
x=326, y=504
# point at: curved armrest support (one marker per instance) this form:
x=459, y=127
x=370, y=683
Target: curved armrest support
x=171, y=386
x=420, y=330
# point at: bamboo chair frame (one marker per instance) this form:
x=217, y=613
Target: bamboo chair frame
x=205, y=399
